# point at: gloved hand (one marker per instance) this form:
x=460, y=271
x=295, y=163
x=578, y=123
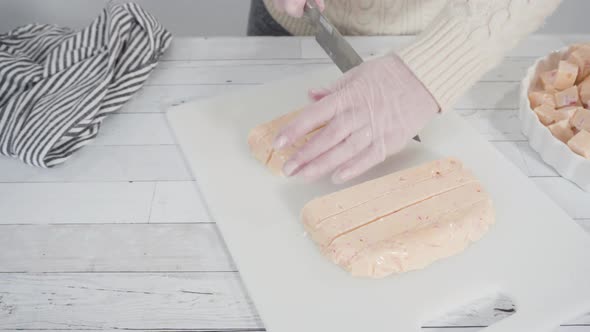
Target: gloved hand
x=295, y=7
x=370, y=113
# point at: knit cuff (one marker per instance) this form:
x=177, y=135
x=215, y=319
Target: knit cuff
x=447, y=59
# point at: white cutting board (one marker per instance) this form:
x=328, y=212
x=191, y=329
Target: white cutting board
x=535, y=253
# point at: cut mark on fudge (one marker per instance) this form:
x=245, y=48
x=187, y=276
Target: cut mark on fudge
x=401, y=209
x=269, y=158
x=434, y=175
x=439, y=219
x=426, y=221
x=298, y=144
x=407, y=250
x=386, y=205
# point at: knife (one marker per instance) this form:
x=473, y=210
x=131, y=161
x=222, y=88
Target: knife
x=338, y=49
x=330, y=39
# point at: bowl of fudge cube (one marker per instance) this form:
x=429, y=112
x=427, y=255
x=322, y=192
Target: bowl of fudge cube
x=555, y=111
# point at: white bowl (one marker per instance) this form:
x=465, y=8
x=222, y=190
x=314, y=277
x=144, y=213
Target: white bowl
x=554, y=152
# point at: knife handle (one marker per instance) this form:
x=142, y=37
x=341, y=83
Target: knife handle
x=311, y=11
x=311, y=4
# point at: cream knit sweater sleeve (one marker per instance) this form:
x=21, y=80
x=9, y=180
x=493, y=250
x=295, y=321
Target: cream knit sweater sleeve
x=467, y=39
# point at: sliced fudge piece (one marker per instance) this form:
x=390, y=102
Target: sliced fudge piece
x=584, y=92
x=562, y=130
x=328, y=229
x=580, y=144
x=548, y=115
x=401, y=222
x=414, y=250
x=261, y=140
x=548, y=80
x=580, y=56
x=566, y=113
x=538, y=98
x=427, y=232
x=322, y=208
x=581, y=119
x=567, y=97
x=566, y=75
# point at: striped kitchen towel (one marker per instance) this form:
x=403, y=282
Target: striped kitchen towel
x=57, y=85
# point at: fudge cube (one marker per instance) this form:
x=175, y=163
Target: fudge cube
x=538, y=98
x=566, y=113
x=581, y=119
x=567, y=97
x=580, y=144
x=584, y=92
x=548, y=80
x=578, y=46
x=562, y=130
x=566, y=75
x=581, y=57
x=547, y=114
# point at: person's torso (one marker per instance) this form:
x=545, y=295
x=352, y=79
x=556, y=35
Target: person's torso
x=369, y=17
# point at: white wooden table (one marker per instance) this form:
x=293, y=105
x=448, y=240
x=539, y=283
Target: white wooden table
x=118, y=238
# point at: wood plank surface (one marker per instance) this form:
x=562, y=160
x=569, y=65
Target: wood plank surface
x=47, y=203
x=113, y=248
x=120, y=238
x=139, y=301
x=143, y=301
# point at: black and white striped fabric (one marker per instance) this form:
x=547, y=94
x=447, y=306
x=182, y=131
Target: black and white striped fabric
x=57, y=84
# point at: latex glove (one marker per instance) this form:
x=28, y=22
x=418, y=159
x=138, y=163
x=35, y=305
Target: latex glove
x=371, y=113
x=295, y=7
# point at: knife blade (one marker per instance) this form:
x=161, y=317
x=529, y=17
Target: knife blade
x=329, y=38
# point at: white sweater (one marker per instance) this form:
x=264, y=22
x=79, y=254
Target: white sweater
x=458, y=42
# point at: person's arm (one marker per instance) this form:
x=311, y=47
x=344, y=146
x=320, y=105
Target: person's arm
x=375, y=109
x=467, y=39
